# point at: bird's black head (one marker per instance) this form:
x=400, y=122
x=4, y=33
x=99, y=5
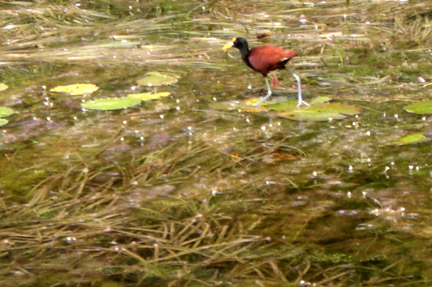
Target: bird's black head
x=239, y=43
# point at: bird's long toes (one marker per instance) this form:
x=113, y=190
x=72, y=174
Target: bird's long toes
x=302, y=103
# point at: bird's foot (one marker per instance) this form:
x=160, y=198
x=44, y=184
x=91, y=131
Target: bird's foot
x=302, y=103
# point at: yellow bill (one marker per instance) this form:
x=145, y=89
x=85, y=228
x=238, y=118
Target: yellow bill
x=229, y=45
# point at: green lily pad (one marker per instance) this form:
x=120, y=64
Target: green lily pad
x=75, y=89
x=3, y=122
x=282, y=106
x=414, y=138
x=320, y=100
x=3, y=87
x=154, y=79
x=424, y=107
x=5, y=112
x=110, y=104
x=319, y=109
x=284, y=102
x=149, y=96
x=318, y=112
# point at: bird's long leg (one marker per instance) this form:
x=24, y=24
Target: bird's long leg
x=269, y=93
x=300, y=100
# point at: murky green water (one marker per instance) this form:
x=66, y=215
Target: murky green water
x=178, y=192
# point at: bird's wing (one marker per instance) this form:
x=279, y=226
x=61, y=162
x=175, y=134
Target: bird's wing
x=266, y=58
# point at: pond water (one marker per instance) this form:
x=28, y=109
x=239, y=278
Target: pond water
x=183, y=191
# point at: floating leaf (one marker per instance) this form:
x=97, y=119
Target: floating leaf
x=319, y=109
x=252, y=102
x=320, y=100
x=254, y=109
x=149, y=96
x=3, y=87
x=5, y=112
x=424, y=107
x=3, y=122
x=75, y=89
x=413, y=138
x=319, y=112
x=153, y=79
x=109, y=104
x=282, y=106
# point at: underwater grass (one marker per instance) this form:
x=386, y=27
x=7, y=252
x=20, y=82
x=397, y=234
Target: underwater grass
x=85, y=230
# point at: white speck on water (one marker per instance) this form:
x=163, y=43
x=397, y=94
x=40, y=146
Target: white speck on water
x=70, y=239
x=303, y=19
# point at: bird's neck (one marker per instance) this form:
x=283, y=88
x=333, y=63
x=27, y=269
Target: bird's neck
x=244, y=51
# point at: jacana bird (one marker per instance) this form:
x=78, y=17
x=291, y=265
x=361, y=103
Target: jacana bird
x=265, y=59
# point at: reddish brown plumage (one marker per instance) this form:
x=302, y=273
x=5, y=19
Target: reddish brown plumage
x=264, y=59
